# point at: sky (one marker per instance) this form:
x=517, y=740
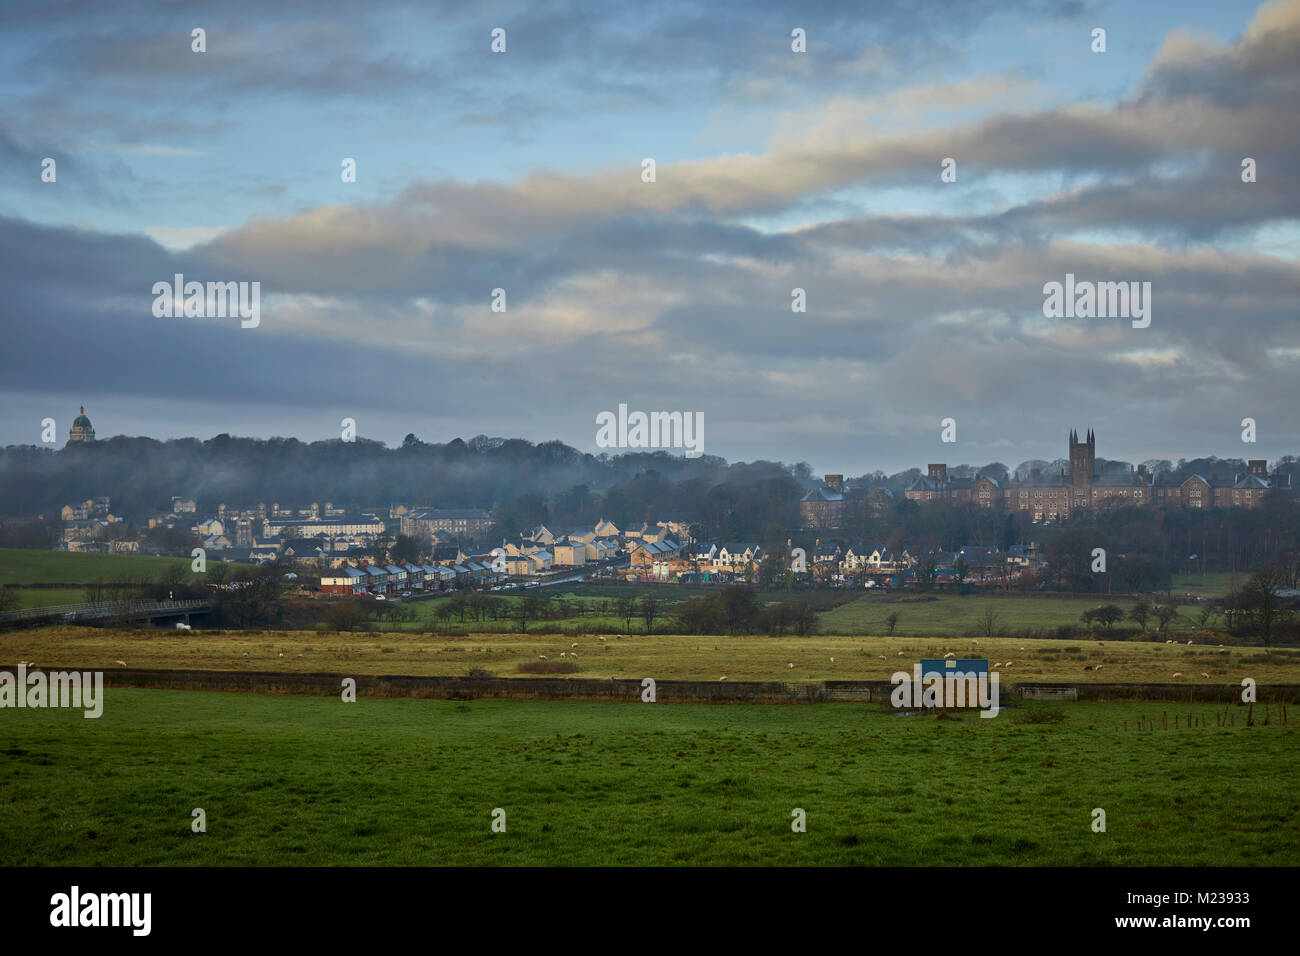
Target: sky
x=775, y=170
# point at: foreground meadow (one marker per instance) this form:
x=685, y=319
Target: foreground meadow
x=312, y=780
x=662, y=656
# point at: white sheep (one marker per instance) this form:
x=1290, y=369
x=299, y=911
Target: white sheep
x=949, y=654
x=1203, y=674
x=790, y=665
x=121, y=663
x=1189, y=640
x=574, y=644
x=832, y=660
x=1178, y=673
x=997, y=665
x=723, y=677
x=562, y=654
x=601, y=639
x=542, y=657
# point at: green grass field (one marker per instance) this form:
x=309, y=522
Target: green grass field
x=24, y=567
x=20, y=569
x=1214, y=584
x=312, y=780
x=962, y=615
x=661, y=656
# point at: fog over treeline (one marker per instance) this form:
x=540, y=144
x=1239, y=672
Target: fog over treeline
x=141, y=475
x=521, y=481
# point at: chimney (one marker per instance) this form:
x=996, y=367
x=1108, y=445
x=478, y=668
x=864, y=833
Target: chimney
x=1257, y=466
x=938, y=472
x=835, y=483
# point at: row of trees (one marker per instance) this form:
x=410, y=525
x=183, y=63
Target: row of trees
x=735, y=610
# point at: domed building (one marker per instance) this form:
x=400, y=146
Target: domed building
x=81, y=430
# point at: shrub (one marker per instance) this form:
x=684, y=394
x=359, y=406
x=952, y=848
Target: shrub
x=483, y=672
x=548, y=667
x=1037, y=714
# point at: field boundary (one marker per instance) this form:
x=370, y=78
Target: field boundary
x=450, y=687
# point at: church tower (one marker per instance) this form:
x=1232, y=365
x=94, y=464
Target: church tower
x=1083, y=458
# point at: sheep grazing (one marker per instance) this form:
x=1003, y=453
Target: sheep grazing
x=574, y=644
x=562, y=654
x=601, y=639
x=948, y=655
x=1168, y=642
x=1097, y=668
x=1189, y=640
x=120, y=663
x=1007, y=664
x=723, y=677
x=1203, y=674
x=790, y=665
x=1087, y=667
x=900, y=653
x=832, y=660
x=542, y=657
x=997, y=665
x=1178, y=673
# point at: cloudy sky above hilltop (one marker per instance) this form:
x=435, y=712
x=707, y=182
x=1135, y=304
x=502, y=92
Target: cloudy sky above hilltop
x=775, y=170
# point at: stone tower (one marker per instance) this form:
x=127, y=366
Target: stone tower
x=1083, y=458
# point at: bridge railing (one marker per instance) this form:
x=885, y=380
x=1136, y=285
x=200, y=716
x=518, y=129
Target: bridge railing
x=103, y=609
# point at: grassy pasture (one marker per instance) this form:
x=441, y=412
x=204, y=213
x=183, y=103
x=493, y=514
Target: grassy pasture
x=25, y=567
x=20, y=569
x=962, y=615
x=311, y=781
x=637, y=655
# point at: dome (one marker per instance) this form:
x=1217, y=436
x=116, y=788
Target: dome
x=81, y=429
